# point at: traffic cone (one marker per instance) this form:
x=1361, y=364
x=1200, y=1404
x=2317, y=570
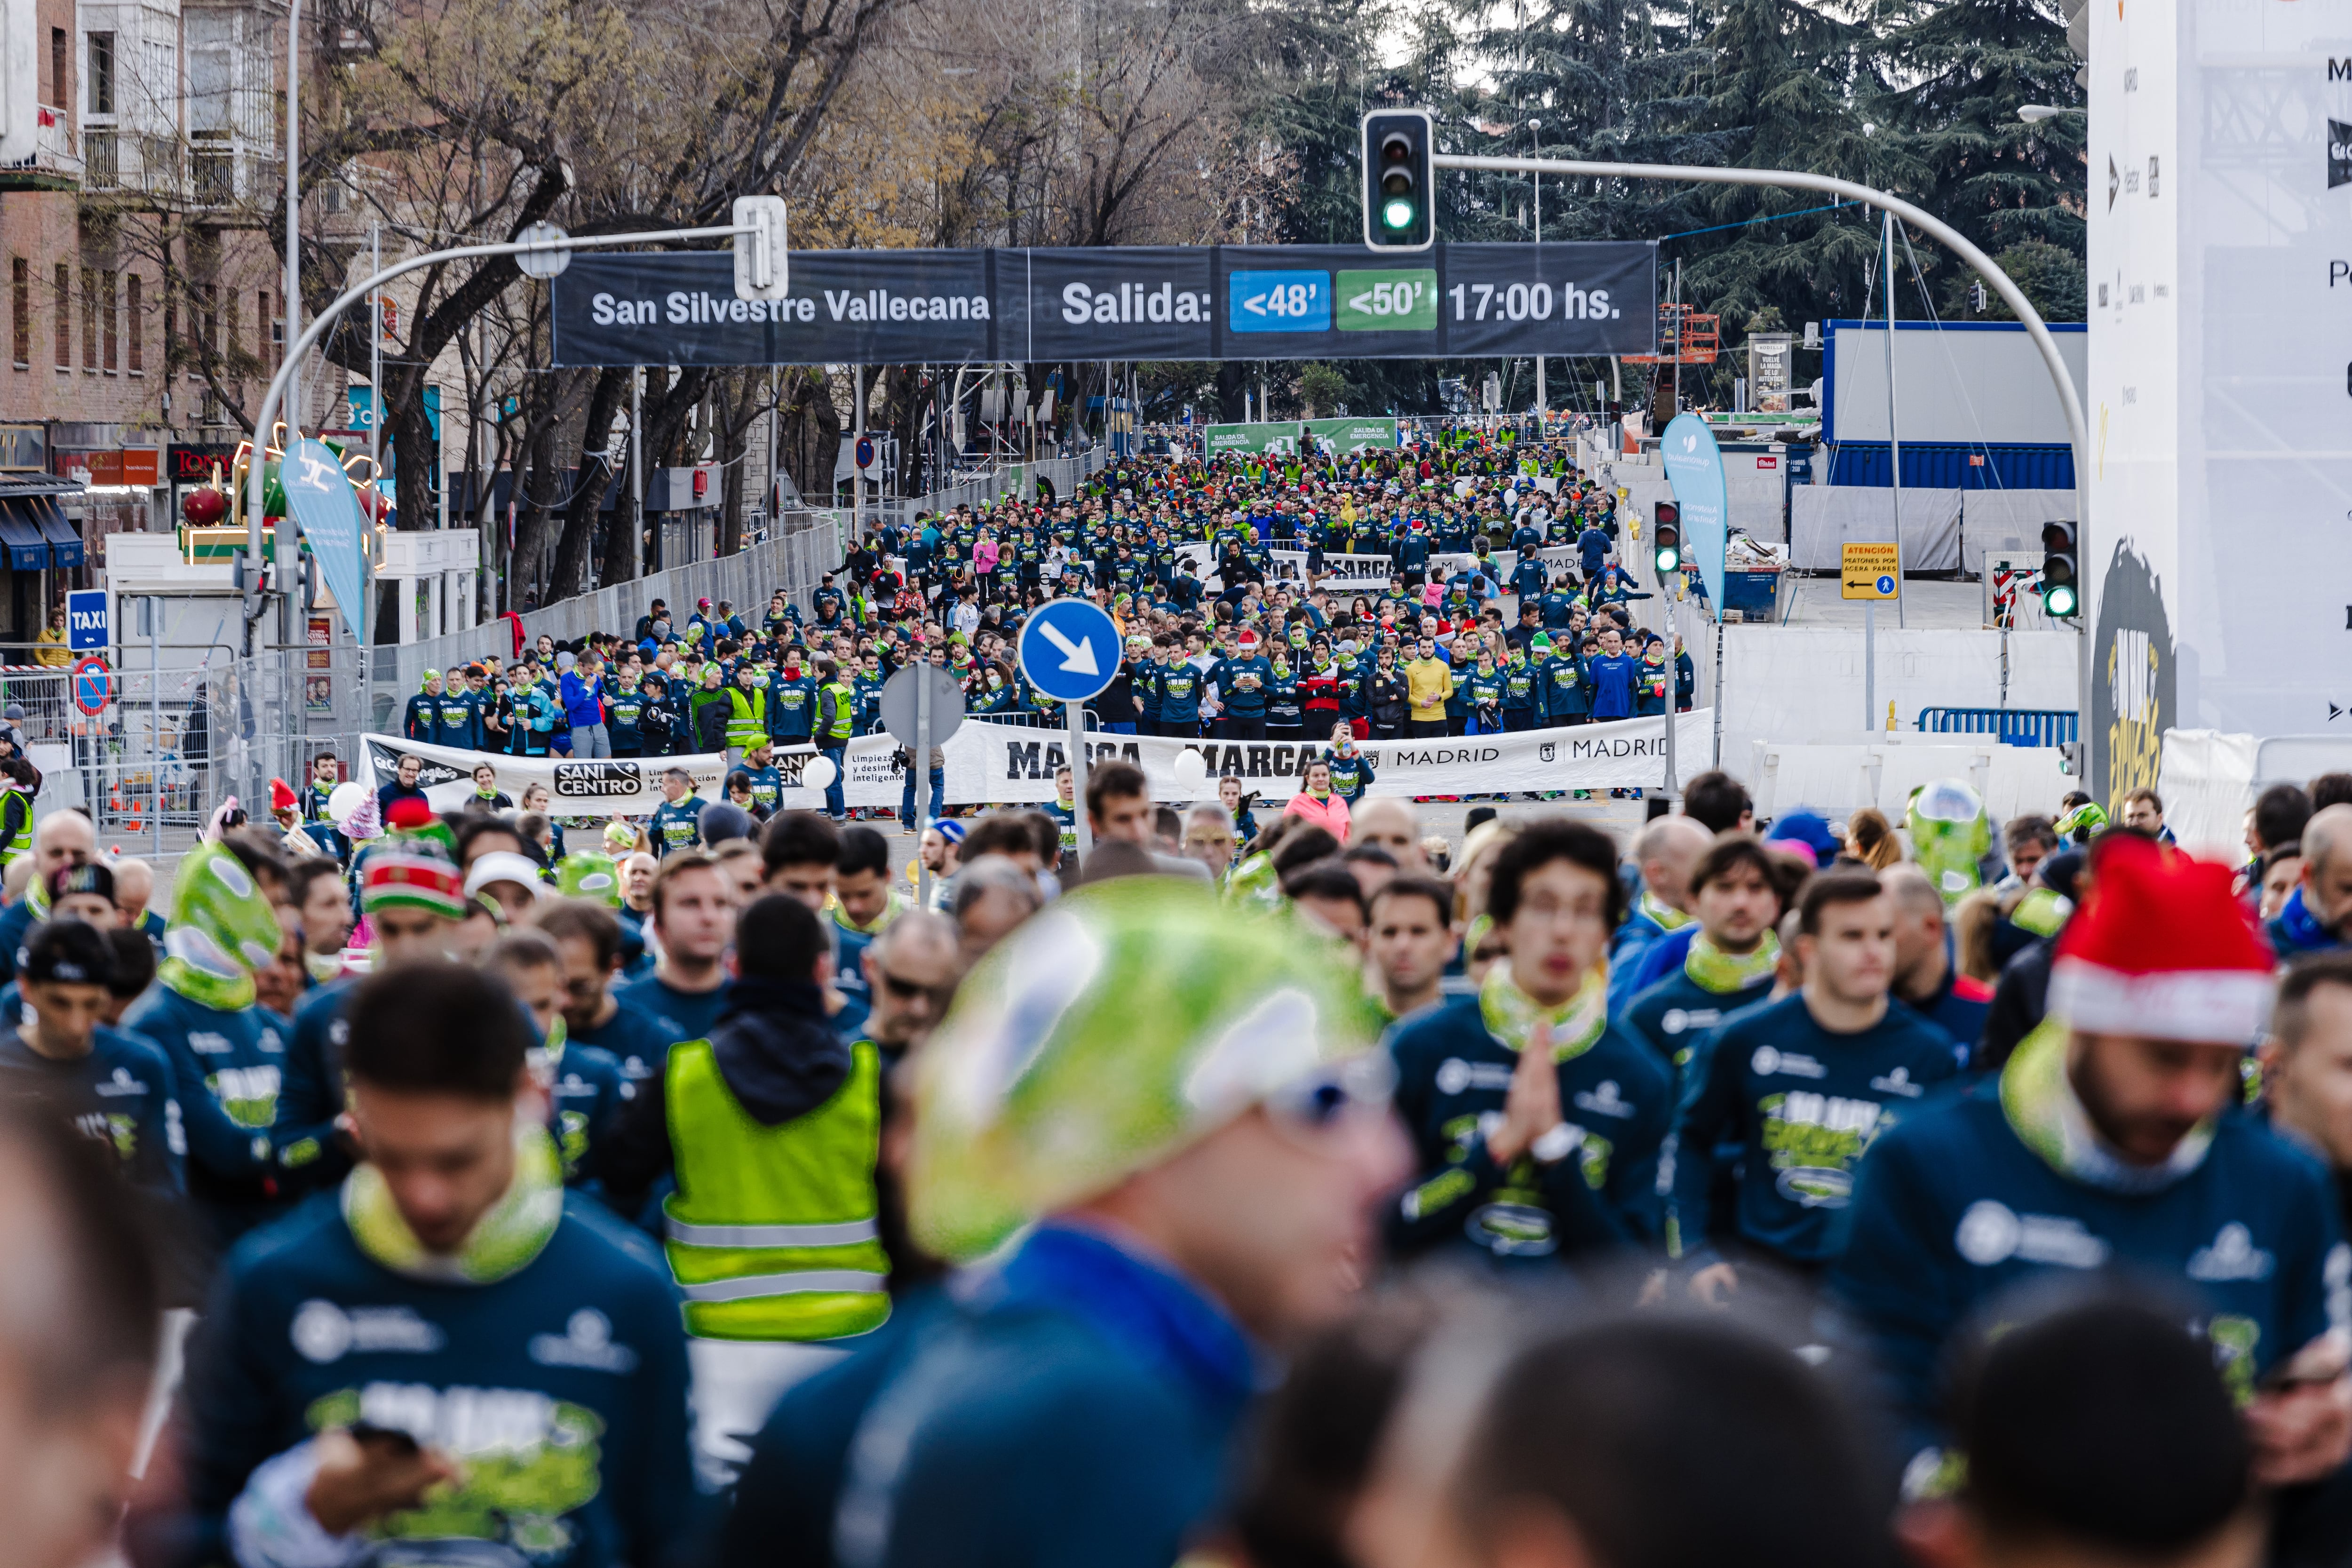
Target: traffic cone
x=135, y=823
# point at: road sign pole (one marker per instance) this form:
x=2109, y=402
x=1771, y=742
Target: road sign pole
x=1670, y=726
x=1077, y=712
x=1869, y=663
x=919, y=757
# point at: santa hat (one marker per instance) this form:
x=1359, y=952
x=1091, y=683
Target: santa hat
x=2161, y=949
x=281, y=796
x=1248, y=640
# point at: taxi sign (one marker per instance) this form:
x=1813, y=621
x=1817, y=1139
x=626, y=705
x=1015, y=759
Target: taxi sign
x=1870, y=571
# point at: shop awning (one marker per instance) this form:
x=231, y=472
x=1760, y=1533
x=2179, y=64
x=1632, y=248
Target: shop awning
x=58, y=528
x=27, y=551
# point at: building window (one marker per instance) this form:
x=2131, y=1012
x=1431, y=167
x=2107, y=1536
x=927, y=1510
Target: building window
x=212, y=43
x=277, y=325
x=101, y=73
x=89, y=318
x=213, y=179
x=102, y=160
x=57, y=57
x=235, y=343
x=20, y=311
x=136, y=356
x=109, y=284
x=171, y=330
x=208, y=339
x=63, y=289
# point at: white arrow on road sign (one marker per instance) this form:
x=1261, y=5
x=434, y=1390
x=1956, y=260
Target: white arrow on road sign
x=1077, y=658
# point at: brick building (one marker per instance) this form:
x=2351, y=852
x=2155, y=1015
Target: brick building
x=140, y=151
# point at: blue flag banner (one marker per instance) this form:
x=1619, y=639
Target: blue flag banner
x=1695, y=469
x=327, y=509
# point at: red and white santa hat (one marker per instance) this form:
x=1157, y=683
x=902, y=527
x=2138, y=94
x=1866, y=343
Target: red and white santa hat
x=2160, y=949
x=1247, y=640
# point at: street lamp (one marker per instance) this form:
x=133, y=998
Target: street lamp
x=2035, y=113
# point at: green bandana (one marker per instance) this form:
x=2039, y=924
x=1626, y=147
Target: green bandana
x=1511, y=1014
x=222, y=928
x=1723, y=972
x=2048, y=1119
x=517, y=1228
x=1668, y=917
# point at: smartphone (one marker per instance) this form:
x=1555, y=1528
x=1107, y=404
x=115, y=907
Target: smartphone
x=367, y=1433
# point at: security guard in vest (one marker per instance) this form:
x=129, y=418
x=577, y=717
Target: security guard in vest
x=747, y=714
x=836, y=719
x=772, y=1128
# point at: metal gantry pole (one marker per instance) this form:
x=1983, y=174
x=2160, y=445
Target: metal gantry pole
x=2077, y=428
x=1894, y=437
x=636, y=472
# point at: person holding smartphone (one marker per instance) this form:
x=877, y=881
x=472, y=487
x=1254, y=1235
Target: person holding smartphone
x=454, y=1351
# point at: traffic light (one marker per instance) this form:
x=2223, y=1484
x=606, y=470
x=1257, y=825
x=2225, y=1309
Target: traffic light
x=1666, y=539
x=2061, y=571
x=1399, y=191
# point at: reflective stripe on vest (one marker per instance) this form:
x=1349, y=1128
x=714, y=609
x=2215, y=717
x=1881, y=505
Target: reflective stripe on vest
x=841, y=1234
x=797, y=1284
x=771, y=1233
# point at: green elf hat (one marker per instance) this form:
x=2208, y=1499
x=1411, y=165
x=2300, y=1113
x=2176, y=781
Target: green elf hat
x=1125, y=1023
x=585, y=874
x=223, y=927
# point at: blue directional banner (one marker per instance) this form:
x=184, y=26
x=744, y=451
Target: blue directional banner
x=1069, y=650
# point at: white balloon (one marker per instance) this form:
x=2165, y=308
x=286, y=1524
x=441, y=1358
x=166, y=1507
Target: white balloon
x=344, y=799
x=817, y=773
x=1191, y=768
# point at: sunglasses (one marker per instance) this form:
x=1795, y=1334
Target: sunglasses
x=907, y=990
x=1321, y=1100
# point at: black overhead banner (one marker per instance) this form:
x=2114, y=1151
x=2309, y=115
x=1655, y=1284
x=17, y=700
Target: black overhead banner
x=1145, y=302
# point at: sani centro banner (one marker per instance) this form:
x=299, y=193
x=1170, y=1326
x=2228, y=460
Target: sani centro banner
x=1154, y=302
x=630, y=785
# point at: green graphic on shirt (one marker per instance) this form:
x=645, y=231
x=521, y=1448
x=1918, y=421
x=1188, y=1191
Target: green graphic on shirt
x=528, y=1461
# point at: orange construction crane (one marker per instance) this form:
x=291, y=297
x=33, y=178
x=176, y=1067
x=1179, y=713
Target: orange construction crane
x=1685, y=337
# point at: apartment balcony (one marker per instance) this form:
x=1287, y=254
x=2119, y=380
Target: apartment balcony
x=50, y=164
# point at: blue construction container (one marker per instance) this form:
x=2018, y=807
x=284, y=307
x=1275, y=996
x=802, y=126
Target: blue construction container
x=1951, y=466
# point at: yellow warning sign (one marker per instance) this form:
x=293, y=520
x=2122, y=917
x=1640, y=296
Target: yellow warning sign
x=1870, y=571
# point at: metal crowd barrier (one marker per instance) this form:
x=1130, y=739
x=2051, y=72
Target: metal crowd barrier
x=2012, y=726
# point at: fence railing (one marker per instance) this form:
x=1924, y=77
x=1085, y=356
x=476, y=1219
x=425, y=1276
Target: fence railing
x=2010, y=726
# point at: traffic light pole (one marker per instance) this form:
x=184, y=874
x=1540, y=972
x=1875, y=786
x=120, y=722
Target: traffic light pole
x=255, y=474
x=2077, y=429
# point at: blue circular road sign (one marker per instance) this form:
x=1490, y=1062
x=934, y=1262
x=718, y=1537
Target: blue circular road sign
x=865, y=452
x=93, y=686
x=1069, y=650
x=1886, y=585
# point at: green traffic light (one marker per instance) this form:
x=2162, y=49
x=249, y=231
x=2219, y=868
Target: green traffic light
x=2059, y=600
x=1397, y=214
x=1669, y=560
